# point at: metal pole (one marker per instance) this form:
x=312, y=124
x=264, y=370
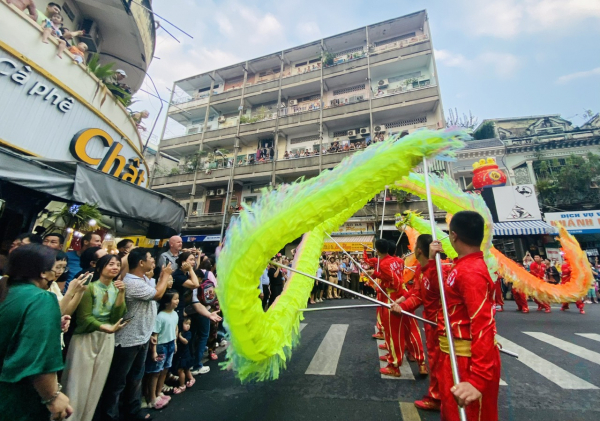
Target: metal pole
x=383, y=212
x=338, y=307
x=438, y=265
x=360, y=267
x=373, y=300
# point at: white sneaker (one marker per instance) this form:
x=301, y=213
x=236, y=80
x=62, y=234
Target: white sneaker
x=223, y=343
x=203, y=370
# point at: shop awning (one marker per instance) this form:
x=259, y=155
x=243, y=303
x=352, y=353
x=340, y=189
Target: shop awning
x=76, y=182
x=523, y=228
x=348, y=243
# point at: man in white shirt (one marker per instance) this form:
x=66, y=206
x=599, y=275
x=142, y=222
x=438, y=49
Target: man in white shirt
x=171, y=255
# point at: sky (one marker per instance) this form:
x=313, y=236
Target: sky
x=495, y=59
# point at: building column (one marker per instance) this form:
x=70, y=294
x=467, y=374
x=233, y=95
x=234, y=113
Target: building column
x=531, y=172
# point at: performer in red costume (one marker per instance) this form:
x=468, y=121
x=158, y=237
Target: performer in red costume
x=426, y=291
x=410, y=335
x=372, y=262
x=538, y=269
x=469, y=292
x=390, y=282
x=498, y=294
x=521, y=300
x=566, y=277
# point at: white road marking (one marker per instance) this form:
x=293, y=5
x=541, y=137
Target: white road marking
x=302, y=326
x=592, y=336
x=325, y=360
x=409, y=412
x=503, y=383
x=545, y=368
x=405, y=370
x=580, y=351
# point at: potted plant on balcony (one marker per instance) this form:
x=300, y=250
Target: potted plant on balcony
x=327, y=58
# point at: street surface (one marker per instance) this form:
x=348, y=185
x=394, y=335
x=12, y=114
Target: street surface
x=334, y=374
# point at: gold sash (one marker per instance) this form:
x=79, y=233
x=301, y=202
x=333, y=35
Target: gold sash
x=462, y=347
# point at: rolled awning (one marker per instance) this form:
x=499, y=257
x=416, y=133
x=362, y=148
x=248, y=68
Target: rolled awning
x=523, y=228
x=348, y=243
x=76, y=182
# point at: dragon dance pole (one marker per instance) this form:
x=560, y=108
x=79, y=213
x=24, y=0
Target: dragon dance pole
x=373, y=300
x=304, y=310
x=438, y=265
x=359, y=266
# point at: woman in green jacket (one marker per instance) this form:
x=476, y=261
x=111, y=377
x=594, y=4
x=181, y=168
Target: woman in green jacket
x=99, y=316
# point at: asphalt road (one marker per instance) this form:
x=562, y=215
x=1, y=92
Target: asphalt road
x=556, y=378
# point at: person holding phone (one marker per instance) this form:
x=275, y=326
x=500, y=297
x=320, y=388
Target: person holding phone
x=99, y=316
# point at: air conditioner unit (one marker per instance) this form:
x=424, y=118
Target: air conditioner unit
x=222, y=119
x=351, y=133
x=379, y=129
x=193, y=129
x=210, y=193
x=92, y=36
x=293, y=102
x=364, y=131
x=383, y=83
x=220, y=192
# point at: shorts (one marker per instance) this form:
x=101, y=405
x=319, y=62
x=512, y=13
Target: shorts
x=167, y=351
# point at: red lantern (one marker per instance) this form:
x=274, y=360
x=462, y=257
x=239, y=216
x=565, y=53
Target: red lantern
x=487, y=174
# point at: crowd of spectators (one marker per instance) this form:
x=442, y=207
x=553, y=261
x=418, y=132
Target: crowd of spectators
x=121, y=333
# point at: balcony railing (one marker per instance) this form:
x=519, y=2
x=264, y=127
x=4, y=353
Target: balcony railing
x=300, y=108
x=399, y=44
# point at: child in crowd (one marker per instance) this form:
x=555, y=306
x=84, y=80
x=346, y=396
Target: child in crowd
x=51, y=27
x=161, y=353
x=184, y=361
x=209, y=299
x=79, y=52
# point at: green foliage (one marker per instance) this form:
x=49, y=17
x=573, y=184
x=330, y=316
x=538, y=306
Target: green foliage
x=327, y=58
x=98, y=70
x=77, y=217
x=174, y=171
x=572, y=184
x=485, y=131
x=401, y=195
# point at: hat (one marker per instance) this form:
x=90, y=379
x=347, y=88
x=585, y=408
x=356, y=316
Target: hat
x=121, y=71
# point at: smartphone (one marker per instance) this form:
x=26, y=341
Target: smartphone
x=88, y=279
x=128, y=318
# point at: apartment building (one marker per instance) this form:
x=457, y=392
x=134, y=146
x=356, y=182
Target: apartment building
x=307, y=107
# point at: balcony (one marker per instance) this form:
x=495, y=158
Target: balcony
x=205, y=220
x=261, y=87
x=413, y=95
x=301, y=78
x=345, y=63
x=71, y=80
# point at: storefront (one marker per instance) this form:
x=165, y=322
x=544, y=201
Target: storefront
x=584, y=225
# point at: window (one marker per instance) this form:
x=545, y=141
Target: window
x=300, y=64
x=409, y=122
x=314, y=60
x=404, y=77
x=68, y=12
x=249, y=200
x=266, y=143
x=349, y=90
x=304, y=139
x=215, y=206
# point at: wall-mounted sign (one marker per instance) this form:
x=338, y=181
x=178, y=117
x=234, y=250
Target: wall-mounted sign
x=354, y=228
x=584, y=222
x=41, y=119
x=516, y=203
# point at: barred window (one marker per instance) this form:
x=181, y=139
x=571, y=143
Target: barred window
x=350, y=51
x=349, y=90
x=303, y=139
x=409, y=122
x=341, y=133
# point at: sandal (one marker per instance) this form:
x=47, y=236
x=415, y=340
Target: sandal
x=179, y=390
x=167, y=389
x=159, y=404
x=214, y=356
x=190, y=383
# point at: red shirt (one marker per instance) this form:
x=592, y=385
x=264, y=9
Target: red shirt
x=371, y=261
x=470, y=299
x=538, y=270
x=566, y=273
x=387, y=272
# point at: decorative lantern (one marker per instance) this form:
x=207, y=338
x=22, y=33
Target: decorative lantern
x=487, y=174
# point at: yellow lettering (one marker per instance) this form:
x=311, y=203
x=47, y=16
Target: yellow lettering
x=113, y=163
x=80, y=141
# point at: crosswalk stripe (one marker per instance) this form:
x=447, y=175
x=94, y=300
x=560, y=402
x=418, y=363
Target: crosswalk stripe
x=409, y=412
x=503, y=383
x=580, y=351
x=325, y=360
x=302, y=326
x=592, y=336
x=405, y=370
x=545, y=368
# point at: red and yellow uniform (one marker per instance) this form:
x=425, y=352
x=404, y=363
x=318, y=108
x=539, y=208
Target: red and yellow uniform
x=539, y=271
x=390, y=275
x=426, y=291
x=410, y=335
x=372, y=262
x=498, y=294
x=565, y=278
x=469, y=291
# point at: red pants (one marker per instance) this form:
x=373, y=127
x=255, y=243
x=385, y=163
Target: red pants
x=380, y=309
x=498, y=293
x=521, y=300
x=433, y=350
x=579, y=304
x=544, y=306
x=486, y=409
x=391, y=332
x=410, y=336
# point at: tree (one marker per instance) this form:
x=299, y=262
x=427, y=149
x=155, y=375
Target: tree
x=468, y=122
x=573, y=184
x=485, y=131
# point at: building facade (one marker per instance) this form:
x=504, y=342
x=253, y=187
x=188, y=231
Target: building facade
x=305, y=108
